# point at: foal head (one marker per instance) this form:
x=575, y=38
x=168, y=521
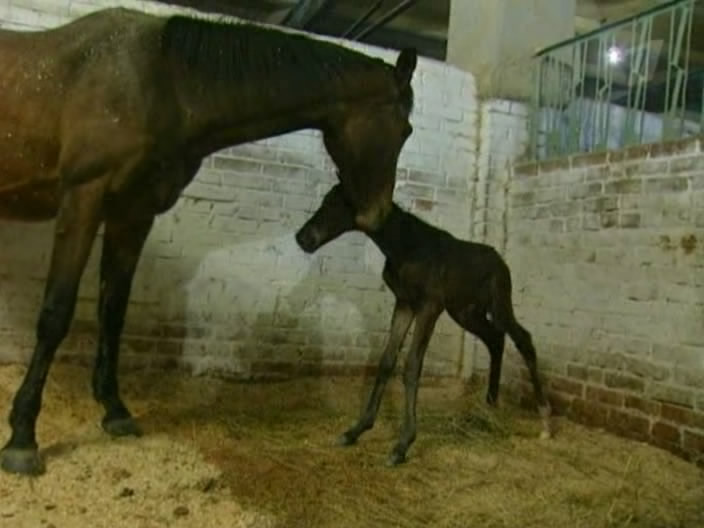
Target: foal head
x=335, y=216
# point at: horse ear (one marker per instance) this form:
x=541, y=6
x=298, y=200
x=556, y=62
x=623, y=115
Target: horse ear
x=405, y=66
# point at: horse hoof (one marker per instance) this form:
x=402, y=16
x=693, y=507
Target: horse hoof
x=545, y=435
x=395, y=459
x=122, y=427
x=21, y=461
x=345, y=440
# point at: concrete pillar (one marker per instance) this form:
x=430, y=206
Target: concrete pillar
x=495, y=40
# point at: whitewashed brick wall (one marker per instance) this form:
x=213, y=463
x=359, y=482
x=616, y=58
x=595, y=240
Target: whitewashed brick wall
x=607, y=256
x=222, y=284
x=502, y=138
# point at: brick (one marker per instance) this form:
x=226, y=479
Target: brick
x=553, y=165
x=664, y=434
x=607, y=220
x=595, y=375
x=687, y=164
x=628, y=424
x=212, y=193
x=584, y=190
x=522, y=199
x=643, y=167
x=556, y=225
x=645, y=368
x=650, y=408
x=693, y=441
x=629, y=220
x=602, y=204
x=683, y=355
x=682, y=416
x=173, y=331
x=670, y=394
x=590, y=413
x=689, y=377
x=670, y=184
x=674, y=148
x=236, y=165
x=635, y=152
x=424, y=177
x=559, y=402
x=579, y=372
x=606, y=396
x=623, y=187
x=138, y=345
x=598, y=173
x=589, y=160
x=563, y=209
x=622, y=381
x=566, y=385
x=606, y=360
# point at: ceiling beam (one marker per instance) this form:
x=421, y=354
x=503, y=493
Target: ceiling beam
x=303, y=13
x=387, y=17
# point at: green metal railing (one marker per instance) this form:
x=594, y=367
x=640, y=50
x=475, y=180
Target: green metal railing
x=630, y=82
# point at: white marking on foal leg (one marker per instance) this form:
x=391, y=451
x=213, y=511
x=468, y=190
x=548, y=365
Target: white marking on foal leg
x=545, y=413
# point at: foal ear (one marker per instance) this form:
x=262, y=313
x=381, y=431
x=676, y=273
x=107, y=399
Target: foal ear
x=405, y=66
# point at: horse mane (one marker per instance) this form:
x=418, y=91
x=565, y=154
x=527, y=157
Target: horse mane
x=226, y=51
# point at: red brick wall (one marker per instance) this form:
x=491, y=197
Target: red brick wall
x=607, y=254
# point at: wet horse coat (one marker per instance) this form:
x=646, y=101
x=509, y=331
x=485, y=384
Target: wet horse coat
x=106, y=119
x=430, y=271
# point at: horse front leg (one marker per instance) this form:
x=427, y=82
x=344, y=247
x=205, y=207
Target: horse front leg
x=400, y=323
x=426, y=318
x=122, y=246
x=77, y=222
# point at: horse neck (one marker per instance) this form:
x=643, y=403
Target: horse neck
x=217, y=120
x=390, y=237
x=221, y=114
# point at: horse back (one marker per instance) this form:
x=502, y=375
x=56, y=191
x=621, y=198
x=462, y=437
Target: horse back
x=72, y=80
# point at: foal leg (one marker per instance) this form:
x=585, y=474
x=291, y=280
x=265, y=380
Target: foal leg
x=122, y=246
x=425, y=323
x=400, y=323
x=76, y=225
x=505, y=320
x=494, y=340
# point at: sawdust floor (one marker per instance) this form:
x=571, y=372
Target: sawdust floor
x=219, y=454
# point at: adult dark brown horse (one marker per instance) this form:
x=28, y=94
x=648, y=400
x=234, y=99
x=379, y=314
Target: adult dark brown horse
x=106, y=119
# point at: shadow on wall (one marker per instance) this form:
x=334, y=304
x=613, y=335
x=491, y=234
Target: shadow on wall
x=256, y=323
x=23, y=267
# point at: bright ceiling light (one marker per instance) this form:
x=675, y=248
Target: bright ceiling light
x=614, y=55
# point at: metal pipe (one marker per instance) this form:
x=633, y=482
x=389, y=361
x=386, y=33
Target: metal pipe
x=390, y=15
x=361, y=20
x=303, y=12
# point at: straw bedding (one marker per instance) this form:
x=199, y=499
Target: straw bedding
x=218, y=453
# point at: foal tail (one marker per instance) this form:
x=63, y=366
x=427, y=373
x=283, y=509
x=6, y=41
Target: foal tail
x=405, y=66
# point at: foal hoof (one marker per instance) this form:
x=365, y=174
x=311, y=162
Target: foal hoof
x=21, y=461
x=121, y=427
x=346, y=439
x=395, y=459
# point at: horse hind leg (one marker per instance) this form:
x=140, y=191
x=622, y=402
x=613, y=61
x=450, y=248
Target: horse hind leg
x=76, y=226
x=494, y=340
x=122, y=246
x=504, y=319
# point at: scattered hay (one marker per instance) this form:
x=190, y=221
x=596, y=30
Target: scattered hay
x=218, y=454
